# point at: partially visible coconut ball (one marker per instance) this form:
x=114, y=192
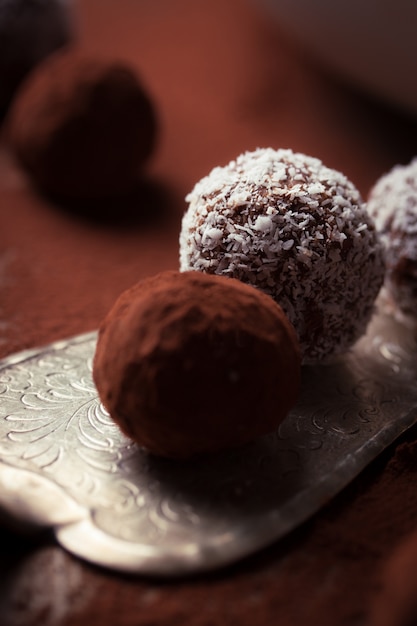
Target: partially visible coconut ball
x=392, y=203
x=189, y=364
x=297, y=230
x=82, y=127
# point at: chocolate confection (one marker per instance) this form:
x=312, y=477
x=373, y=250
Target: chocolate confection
x=29, y=32
x=393, y=204
x=82, y=127
x=188, y=363
x=297, y=230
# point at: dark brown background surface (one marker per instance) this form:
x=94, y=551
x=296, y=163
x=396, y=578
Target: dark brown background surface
x=225, y=80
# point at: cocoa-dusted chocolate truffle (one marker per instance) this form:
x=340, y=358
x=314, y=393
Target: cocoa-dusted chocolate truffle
x=188, y=363
x=297, y=230
x=29, y=32
x=82, y=127
x=392, y=203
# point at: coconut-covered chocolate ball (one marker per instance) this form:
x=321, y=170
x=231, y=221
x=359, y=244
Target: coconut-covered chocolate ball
x=188, y=363
x=82, y=127
x=30, y=30
x=297, y=230
x=392, y=203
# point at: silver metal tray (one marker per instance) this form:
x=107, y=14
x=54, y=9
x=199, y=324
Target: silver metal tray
x=64, y=464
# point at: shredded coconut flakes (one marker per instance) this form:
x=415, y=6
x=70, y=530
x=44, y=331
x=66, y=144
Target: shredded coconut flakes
x=393, y=205
x=297, y=230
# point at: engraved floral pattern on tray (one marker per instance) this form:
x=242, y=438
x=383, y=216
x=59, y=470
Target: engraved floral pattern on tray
x=115, y=505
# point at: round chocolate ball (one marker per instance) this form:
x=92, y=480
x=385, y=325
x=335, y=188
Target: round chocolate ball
x=299, y=231
x=82, y=127
x=189, y=364
x=29, y=32
x=392, y=203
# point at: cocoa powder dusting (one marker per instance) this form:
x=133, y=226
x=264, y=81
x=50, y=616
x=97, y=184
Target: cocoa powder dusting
x=189, y=363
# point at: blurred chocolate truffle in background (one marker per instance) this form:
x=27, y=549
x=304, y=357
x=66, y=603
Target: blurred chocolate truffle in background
x=299, y=231
x=30, y=30
x=188, y=364
x=82, y=127
x=392, y=203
